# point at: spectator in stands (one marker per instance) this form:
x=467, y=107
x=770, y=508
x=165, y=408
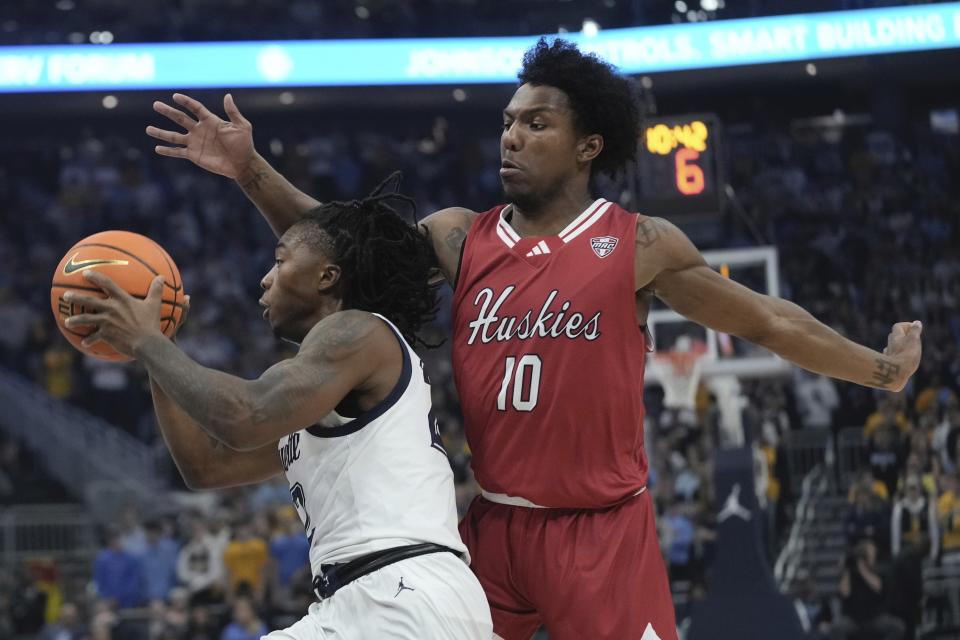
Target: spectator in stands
x=103, y=621
x=867, y=484
x=246, y=625
x=118, y=575
x=866, y=517
x=67, y=627
x=203, y=624
x=133, y=538
x=913, y=527
x=925, y=471
x=159, y=560
x=246, y=559
x=677, y=540
x=200, y=565
x=914, y=535
x=156, y=621
x=948, y=514
x=888, y=414
x=290, y=552
x=176, y=617
x=862, y=592
x=885, y=456
x=817, y=399
x=812, y=609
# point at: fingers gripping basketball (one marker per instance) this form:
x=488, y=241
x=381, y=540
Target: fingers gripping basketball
x=129, y=259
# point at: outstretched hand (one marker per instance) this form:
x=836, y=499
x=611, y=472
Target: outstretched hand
x=221, y=146
x=903, y=350
x=120, y=320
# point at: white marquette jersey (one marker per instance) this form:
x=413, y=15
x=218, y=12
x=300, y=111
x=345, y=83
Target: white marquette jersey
x=376, y=481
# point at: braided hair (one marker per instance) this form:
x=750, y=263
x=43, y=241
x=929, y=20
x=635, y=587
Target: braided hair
x=385, y=263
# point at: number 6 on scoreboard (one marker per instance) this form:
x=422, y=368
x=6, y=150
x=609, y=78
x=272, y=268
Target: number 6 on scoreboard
x=518, y=374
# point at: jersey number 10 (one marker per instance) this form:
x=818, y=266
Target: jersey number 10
x=517, y=373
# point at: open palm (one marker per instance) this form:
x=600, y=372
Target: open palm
x=221, y=146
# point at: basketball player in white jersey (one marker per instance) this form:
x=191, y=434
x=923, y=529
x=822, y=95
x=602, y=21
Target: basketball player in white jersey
x=351, y=413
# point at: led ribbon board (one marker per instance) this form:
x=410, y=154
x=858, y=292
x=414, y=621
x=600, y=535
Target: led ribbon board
x=655, y=49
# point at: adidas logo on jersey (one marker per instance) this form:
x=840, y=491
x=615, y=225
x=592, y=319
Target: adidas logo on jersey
x=540, y=248
x=604, y=245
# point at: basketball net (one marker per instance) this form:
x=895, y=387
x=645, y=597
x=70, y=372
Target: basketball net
x=679, y=373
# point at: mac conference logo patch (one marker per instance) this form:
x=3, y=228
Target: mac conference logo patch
x=604, y=245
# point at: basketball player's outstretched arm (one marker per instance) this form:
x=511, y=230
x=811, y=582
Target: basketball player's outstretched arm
x=346, y=351
x=204, y=462
x=668, y=265
x=226, y=147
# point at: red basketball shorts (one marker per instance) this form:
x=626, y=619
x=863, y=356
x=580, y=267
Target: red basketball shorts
x=581, y=573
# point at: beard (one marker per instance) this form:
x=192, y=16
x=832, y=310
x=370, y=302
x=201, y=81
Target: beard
x=528, y=199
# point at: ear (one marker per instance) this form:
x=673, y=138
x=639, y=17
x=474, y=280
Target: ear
x=589, y=147
x=328, y=278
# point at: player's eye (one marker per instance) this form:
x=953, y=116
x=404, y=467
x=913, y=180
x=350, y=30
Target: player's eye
x=506, y=125
x=537, y=126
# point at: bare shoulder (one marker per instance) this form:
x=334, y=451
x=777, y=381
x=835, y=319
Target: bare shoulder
x=448, y=227
x=345, y=334
x=447, y=230
x=661, y=246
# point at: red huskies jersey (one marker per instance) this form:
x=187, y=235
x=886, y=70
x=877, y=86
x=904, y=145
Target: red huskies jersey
x=548, y=359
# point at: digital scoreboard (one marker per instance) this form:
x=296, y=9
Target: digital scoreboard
x=678, y=167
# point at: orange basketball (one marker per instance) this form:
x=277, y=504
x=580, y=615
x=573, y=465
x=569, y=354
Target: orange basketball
x=132, y=261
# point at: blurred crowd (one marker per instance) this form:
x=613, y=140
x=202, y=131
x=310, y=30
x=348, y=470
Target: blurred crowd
x=230, y=573
x=865, y=216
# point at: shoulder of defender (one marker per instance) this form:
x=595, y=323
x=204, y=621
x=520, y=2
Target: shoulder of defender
x=661, y=247
x=448, y=218
x=656, y=232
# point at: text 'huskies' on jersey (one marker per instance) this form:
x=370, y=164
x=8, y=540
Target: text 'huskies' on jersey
x=549, y=358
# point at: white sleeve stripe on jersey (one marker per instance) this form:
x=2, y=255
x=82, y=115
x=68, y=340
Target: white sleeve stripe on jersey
x=589, y=223
x=576, y=222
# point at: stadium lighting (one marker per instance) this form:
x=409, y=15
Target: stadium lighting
x=590, y=28
x=459, y=95
x=286, y=97
x=110, y=102
x=811, y=69
x=709, y=5
x=362, y=12
x=680, y=6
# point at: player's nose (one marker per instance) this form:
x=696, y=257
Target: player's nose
x=510, y=140
x=267, y=280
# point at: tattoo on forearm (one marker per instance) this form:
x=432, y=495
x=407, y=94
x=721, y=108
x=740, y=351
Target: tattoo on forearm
x=455, y=239
x=649, y=231
x=253, y=182
x=885, y=374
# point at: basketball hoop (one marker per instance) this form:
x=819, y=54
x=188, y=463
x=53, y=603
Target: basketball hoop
x=679, y=373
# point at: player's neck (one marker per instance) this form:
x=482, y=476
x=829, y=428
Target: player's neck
x=549, y=217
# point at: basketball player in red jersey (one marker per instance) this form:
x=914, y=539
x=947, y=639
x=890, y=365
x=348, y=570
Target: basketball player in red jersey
x=551, y=298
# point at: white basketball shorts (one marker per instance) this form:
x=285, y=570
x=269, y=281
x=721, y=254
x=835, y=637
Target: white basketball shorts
x=432, y=596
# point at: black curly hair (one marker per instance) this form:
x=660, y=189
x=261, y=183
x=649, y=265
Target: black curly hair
x=385, y=263
x=603, y=101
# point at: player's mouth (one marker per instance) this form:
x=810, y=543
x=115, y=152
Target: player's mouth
x=509, y=169
x=266, y=309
